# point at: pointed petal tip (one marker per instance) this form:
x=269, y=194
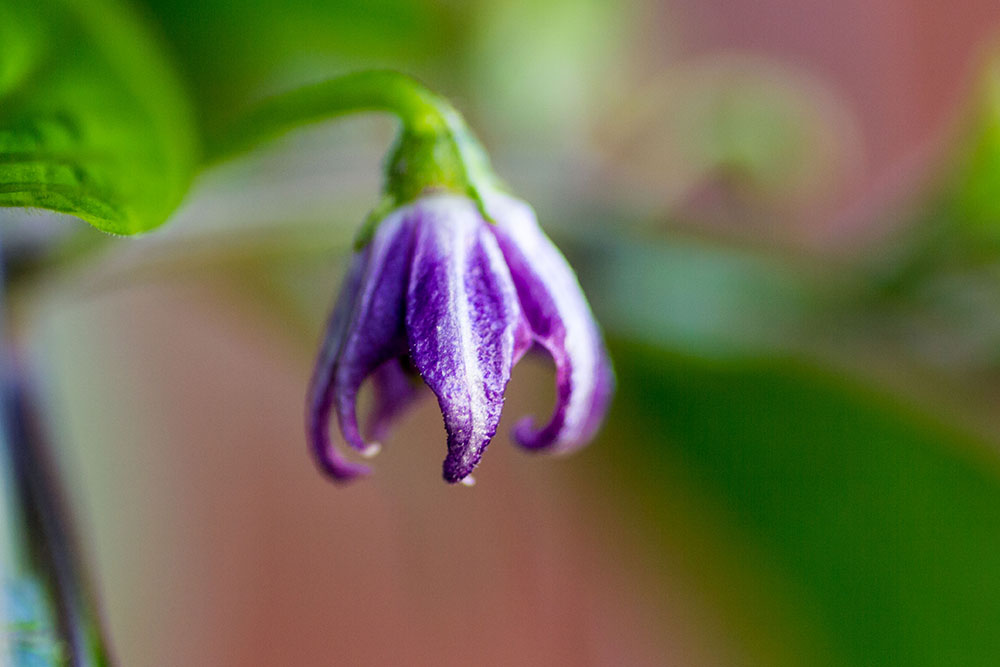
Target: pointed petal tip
x=545, y=440
x=340, y=470
x=328, y=458
x=462, y=318
x=457, y=471
x=554, y=437
x=525, y=433
x=372, y=450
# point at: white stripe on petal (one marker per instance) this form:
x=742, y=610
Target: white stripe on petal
x=461, y=317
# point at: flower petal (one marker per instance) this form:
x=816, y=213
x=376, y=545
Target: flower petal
x=561, y=321
x=320, y=400
x=376, y=332
x=461, y=319
x=395, y=390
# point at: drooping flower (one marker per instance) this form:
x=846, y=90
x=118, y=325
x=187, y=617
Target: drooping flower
x=441, y=293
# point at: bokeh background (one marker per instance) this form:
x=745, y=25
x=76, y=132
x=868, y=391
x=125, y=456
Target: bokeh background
x=786, y=214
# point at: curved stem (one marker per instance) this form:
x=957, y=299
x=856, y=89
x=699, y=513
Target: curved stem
x=435, y=149
x=419, y=110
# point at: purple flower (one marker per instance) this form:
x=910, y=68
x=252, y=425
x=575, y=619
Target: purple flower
x=441, y=293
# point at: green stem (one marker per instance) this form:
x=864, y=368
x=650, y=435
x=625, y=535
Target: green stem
x=435, y=150
x=418, y=109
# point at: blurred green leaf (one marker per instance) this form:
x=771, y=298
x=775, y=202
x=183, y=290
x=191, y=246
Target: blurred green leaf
x=883, y=524
x=235, y=52
x=976, y=186
x=707, y=300
x=93, y=121
x=549, y=90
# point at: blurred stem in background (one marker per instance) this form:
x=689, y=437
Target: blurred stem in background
x=48, y=612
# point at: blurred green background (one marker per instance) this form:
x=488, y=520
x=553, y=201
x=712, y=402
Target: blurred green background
x=786, y=215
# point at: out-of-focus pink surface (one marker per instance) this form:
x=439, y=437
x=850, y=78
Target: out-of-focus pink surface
x=217, y=542
x=901, y=69
x=902, y=63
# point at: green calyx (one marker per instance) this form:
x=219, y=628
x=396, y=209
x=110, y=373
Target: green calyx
x=438, y=154
x=435, y=151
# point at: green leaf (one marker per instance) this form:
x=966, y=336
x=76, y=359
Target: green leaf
x=975, y=195
x=93, y=120
x=707, y=300
x=235, y=51
x=879, y=525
